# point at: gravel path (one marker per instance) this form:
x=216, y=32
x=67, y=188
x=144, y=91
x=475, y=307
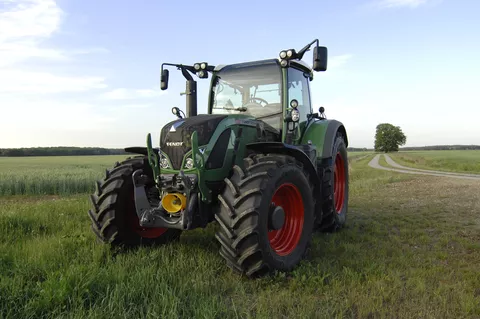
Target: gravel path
x=403, y=169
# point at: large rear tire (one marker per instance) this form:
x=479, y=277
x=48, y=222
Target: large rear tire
x=113, y=215
x=336, y=188
x=247, y=241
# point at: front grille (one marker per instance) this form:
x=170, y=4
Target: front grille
x=205, y=126
x=175, y=154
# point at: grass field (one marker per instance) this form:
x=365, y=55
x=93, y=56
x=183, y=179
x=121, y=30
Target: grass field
x=411, y=250
x=452, y=161
x=49, y=175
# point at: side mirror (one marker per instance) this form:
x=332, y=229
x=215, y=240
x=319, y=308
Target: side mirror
x=320, y=57
x=164, y=80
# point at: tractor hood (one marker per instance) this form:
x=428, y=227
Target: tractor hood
x=175, y=136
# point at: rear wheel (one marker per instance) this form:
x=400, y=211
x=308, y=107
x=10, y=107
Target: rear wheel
x=113, y=215
x=266, y=215
x=335, y=188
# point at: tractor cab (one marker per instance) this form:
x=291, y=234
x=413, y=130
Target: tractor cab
x=263, y=90
x=253, y=89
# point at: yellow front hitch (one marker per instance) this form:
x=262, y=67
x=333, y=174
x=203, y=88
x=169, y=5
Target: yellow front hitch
x=174, y=202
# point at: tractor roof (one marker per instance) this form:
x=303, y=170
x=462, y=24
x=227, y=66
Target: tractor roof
x=299, y=63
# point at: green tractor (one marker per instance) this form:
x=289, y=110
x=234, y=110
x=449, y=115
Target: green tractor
x=262, y=164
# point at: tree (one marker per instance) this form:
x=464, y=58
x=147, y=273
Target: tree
x=388, y=138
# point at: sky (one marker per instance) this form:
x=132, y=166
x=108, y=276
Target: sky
x=87, y=73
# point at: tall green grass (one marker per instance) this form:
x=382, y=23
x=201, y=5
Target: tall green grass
x=56, y=175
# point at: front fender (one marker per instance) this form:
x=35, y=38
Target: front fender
x=286, y=149
x=139, y=150
x=300, y=155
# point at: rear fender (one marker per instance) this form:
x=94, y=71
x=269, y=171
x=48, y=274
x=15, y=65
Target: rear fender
x=322, y=133
x=333, y=127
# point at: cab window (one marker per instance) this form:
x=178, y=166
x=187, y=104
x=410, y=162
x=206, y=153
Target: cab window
x=298, y=89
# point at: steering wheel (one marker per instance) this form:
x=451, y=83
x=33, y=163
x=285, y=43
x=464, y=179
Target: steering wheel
x=259, y=99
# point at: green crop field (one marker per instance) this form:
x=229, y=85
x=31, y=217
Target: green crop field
x=411, y=249
x=52, y=175
x=452, y=161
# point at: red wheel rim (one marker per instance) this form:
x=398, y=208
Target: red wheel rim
x=284, y=240
x=339, y=183
x=134, y=224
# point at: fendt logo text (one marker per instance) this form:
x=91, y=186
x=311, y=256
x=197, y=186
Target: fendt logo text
x=174, y=143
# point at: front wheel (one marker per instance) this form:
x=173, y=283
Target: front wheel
x=113, y=215
x=266, y=215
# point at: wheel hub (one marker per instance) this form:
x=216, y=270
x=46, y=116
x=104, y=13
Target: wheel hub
x=276, y=218
x=339, y=183
x=290, y=209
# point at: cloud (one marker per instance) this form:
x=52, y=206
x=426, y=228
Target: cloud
x=13, y=53
x=29, y=18
x=61, y=115
x=30, y=82
x=29, y=87
x=23, y=26
x=89, y=51
x=402, y=3
x=127, y=94
x=137, y=106
x=339, y=60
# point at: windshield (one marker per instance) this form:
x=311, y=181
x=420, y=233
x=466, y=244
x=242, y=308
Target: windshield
x=253, y=90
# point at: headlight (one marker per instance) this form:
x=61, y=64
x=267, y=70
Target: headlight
x=164, y=163
x=283, y=55
x=289, y=53
x=189, y=163
x=295, y=115
x=203, y=66
x=175, y=110
x=294, y=103
x=196, y=66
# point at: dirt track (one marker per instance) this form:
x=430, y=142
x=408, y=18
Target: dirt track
x=403, y=169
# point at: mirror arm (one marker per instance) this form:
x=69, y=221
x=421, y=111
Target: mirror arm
x=306, y=48
x=185, y=73
x=185, y=68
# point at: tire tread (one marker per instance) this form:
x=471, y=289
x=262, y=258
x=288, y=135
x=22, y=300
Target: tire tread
x=238, y=213
x=108, y=214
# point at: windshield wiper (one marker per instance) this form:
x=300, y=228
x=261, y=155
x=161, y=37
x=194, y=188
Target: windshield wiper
x=241, y=108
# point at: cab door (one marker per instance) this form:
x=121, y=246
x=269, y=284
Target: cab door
x=298, y=88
